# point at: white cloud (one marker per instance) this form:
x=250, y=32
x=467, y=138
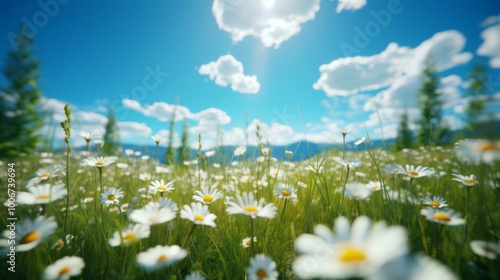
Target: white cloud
x=133, y=129
x=490, y=21
x=159, y=110
x=270, y=21
x=350, y=5
x=350, y=75
x=491, y=45
x=229, y=71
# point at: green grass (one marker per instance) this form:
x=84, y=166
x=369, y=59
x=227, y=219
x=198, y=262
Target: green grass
x=217, y=252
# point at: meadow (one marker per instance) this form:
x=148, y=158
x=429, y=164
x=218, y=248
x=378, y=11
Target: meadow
x=373, y=213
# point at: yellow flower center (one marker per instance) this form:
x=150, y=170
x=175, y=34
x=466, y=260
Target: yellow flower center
x=162, y=258
x=208, y=198
x=351, y=254
x=111, y=197
x=43, y=196
x=153, y=219
x=64, y=270
x=99, y=163
x=162, y=188
x=375, y=187
x=60, y=243
x=250, y=208
x=199, y=218
x=44, y=176
x=413, y=173
x=285, y=192
x=261, y=273
x=347, y=164
x=249, y=242
x=129, y=237
x=435, y=203
x=469, y=181
x=30, y=237
x=259, y=185
x=489, y=147
x=441, y=217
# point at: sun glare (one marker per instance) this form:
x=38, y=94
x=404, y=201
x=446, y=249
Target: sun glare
x=268, y=3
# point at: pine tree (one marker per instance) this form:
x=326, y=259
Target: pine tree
x=477, y=94
x=20, y=102
x=183, y=151
x=431, y=128
x=404, y=139
x=111, y=135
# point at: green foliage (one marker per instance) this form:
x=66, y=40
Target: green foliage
x=431, y=128
x=20, y=102
x=183, y=151
x=111, y=135
x=170, y=153
x=405, y=137
x=476, y=95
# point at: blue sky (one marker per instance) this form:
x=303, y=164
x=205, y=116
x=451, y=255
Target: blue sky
x=298, y=68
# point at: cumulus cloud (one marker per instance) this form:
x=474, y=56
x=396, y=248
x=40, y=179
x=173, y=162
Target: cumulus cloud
x=133, y=129
x=229, y=71
x=270, y=21
x=491, y=45
x=159, y=110
x=350, y=5
x=350, y=75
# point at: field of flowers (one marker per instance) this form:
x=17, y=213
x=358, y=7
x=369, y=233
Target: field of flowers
x=428, y=213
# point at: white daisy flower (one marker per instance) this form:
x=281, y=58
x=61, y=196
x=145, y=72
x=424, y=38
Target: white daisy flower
x=262, y=267
x=44, y=174
x=350, y=163
x=360, y=141
x=87, y=136
x=357, y=191
x=419, y=171
x=30, y=233
x=160, y=256
x=111, y=196
x=132, y=234
x=64, y=269
x=161, y=187
x=374, y=185
x=246, y=204
x=467, y=181
x=485, y=249
x=285, y=191
x=247, y=241
x=288, y=154
x=209, y=153
x=416, y=267
x=168, y=203
x=479, y=150
x=41, y=194
x=198, y=213
x=98, y=143
x=157, y=138
x=151, y=214
x=208, y=195
x=195, y=276
x=356, y=251
x=442, y=216
x=435, y=202
x=344, y=131
x=240, y=151
x=98, y=162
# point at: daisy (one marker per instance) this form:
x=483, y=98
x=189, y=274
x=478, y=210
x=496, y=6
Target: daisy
x=160, y=256
x=195, y=276
x=151, y=214
x=262, y=267
x=349, y=163
x=64, y=268
x=315, y=167
x=87, y=136
x=288, y=154
x=357, y=191
x=198, y=214
x=161, y=187
x=417, y=172
x=415, y=267
x=435, y=202
x=209, y=153
x=467, y=181
x=41, y=194
x=157, y=138
x=374, y=185
x=479, y=151
x=98, y=162
x=145, y=177
x=360, y=141
x=394, y=169
x=111, y=196
x=30, y=233
x=247, y=241
x=132, y=234
x=168, y=203
x=285, y=191
x=259, y=184
x=240, y=151
x=356, y=251
x=44, y=174
x=246, y=204
x=442, y=216
x=275, y=173
x=60, y=243
x=344, y=131
x=208, y=195
x=485, y=249
x=98, y=144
